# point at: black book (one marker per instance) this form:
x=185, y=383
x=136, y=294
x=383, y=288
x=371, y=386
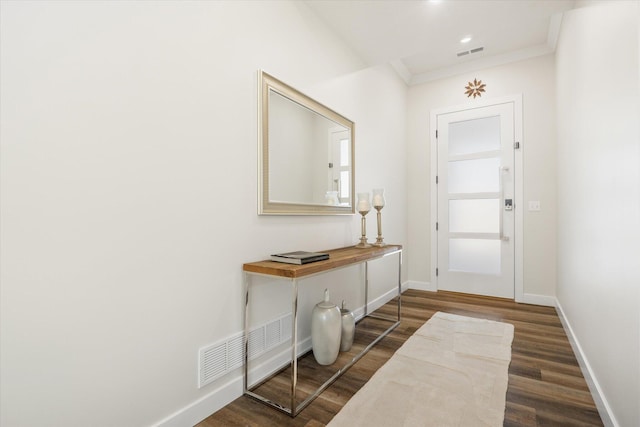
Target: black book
x=299, y=257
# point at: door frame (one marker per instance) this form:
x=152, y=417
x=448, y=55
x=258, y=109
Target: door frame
x=516, y=100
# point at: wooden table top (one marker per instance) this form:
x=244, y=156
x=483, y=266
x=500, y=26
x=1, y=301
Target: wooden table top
x=340, y=257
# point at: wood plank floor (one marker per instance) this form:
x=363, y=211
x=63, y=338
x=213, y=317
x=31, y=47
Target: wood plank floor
x=546, y=386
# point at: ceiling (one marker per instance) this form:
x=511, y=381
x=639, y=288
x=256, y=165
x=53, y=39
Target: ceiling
x=421, y=38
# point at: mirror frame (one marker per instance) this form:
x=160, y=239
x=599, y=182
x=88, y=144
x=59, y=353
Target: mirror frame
x=269, y=83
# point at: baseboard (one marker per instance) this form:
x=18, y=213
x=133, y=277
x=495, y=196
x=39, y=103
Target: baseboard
x=404, y=286
x=207, y=405
x=358, y=313
x=421, y=286
x=594, y=387
x=539, y=300
x=232, y=389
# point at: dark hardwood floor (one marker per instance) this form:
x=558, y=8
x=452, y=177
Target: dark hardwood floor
x=546, y=386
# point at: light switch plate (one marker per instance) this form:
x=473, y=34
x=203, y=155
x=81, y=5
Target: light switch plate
x=534, y=205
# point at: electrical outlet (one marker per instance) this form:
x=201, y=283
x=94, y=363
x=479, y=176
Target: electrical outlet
x=534, y=205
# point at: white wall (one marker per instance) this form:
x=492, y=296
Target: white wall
x=129, y=191
x=599, y=197
x=535, y=80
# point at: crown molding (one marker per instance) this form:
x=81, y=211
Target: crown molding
x=555, y=23
x=480, y=64
x=402, y=70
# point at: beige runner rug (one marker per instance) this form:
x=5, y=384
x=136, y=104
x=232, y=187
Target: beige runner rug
x=452, y=372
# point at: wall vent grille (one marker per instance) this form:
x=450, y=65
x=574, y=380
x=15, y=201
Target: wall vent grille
x=217, y=359
x=285, y=323
x=234, y=352
x=468, y=52
x=212, y=362
x=256, y=342
x=273, y=334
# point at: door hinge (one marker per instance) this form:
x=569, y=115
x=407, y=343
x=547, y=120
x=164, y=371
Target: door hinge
x=516, y=145
x=436, y=272
x=436, y=179
x=436, y=226
x=436, y=133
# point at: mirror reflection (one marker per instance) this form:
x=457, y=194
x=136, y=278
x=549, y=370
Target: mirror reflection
x=307, y=154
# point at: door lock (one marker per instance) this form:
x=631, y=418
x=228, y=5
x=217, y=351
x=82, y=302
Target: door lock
x=508, y=204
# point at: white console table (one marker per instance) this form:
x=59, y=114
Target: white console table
x=338, y=258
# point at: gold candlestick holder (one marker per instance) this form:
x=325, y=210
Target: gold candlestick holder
x=379, y=239
x=363, y=239
x=378, y=204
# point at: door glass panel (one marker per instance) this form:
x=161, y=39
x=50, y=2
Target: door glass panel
x=474, y=216
x=474, y=256
x=344, y=184
x=344, y=152
x=474, y=176
x=474, y=136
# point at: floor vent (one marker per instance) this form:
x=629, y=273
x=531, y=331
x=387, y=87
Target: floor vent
x=217, y=359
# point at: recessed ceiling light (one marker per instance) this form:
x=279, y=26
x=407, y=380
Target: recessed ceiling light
x=465, y=39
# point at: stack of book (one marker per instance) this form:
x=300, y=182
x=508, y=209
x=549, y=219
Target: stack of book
x=299, y=257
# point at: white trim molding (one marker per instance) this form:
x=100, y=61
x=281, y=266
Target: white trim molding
x=534, y=299
x=485, y=62
x=481, y=64
x=606, y=414
x=199, y=410
x=421, y=286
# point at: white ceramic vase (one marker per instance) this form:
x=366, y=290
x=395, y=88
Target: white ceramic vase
x=348, y=329
x=326, y=330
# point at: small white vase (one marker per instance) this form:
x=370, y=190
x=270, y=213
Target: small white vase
x=348, y=329
x=326, y=330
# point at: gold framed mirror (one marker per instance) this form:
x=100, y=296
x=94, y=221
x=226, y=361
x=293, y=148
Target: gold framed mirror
x=306, y=154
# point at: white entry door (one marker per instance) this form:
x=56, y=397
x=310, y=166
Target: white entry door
x=475, y=215
x=339, y=163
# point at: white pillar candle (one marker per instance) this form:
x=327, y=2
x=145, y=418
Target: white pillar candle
x=378, y=198
x=363, y=202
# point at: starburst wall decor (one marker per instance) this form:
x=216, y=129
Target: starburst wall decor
x=474, y=88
